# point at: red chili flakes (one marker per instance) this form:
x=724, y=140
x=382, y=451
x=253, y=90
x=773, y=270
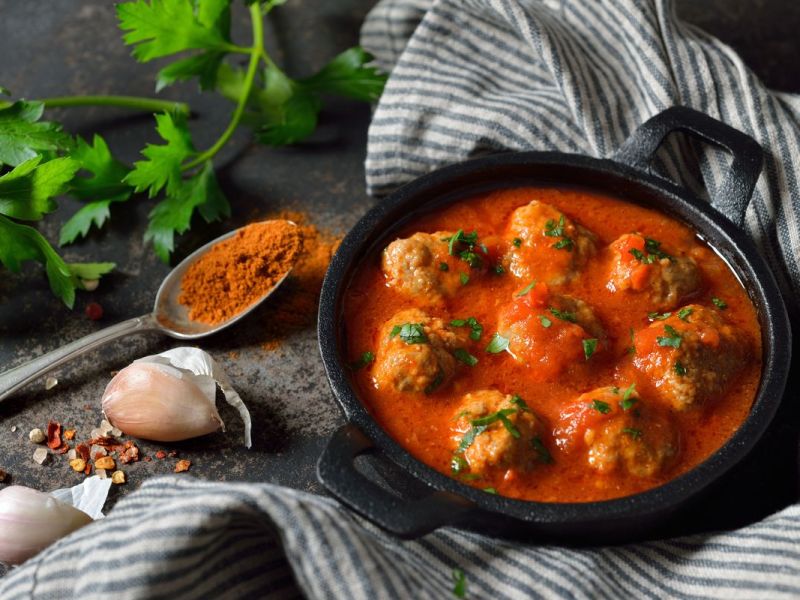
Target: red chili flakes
x=172, y=453
x=183, y=465
x=63, y=449
x=3, y=475
x=53, y=435
x=104, y=441
x=129, y=453
x=161, y=455
x=147, y=459
x=83, y=451
x=69, y=434
x=88, y=469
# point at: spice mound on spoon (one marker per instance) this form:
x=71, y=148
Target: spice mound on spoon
x=211, y=289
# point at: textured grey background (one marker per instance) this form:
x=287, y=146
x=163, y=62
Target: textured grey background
x=73, y=47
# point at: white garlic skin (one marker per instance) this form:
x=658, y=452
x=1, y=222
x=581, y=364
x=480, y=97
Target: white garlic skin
x=161, y=403
x=31, y=520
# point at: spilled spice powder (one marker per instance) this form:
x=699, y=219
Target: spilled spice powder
x=238, y=271
x=294, y=305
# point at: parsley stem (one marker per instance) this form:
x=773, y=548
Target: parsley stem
x=255, y=58
x=132, y=102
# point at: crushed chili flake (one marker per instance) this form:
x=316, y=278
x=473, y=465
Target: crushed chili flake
x=129, y=453
x=3, y=475
x=182, y=465
x=88, y=469
x=147, y=459
x=104, y=440
x=161, y=455
x=83, y=451
x=69, y=434
x=172, y=453
x=53, y=435
x=63, y=449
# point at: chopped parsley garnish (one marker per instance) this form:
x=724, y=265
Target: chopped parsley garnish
x=459, y=583
x=563, y=315
x=519, y=402
x=634, y=433
x=632, y=348
x=627, y=398
x=679, y=368
x=601, y=407
x=720, y=304
x=410, y=333
x=490, y=490
x=465, y=357
x=655, y=316
x=435, y=383
x=464, y=278
x=589, y=346
x=615, y=390
x=467, y=254
x=499, y=270
x=508, y=424
x=472, y=323
x=672, y=339
x=654, y=252
x=545, y=321
x=469, y=437
x=458, y=464
x=526, y=289
x=517, y=242
x=553, y=230
x=497, y=345
x=481, y=424
x=683, y=314
x=363, y=361
x=443, y=266
x=541, y=450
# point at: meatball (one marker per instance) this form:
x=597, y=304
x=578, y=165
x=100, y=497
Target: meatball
x=547, y=246
x=639, y=265
x=496, y=430
x=415, y=353
x=617, y=430
x=550, y=332
x=690, y=356
x=413, y=266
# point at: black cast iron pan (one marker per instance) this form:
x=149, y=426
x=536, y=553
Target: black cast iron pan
x=626, y=176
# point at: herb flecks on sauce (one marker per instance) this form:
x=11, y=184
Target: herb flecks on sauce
x=551, y=229
x=365, y=359
x=672, y=339
x=472, y=323
x=410, y=333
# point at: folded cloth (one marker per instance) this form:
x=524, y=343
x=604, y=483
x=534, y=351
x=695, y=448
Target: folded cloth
x=178, y=537
x=475, y=76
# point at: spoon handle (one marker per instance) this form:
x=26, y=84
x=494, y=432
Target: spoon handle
x=12, y=380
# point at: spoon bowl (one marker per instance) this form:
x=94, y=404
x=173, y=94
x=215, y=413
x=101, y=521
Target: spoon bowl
x=169, y=317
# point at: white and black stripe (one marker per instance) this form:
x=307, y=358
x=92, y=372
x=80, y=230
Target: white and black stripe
x=178, y=537
x=476, y=76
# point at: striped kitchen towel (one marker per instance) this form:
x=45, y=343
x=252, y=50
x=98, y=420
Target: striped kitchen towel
x=469, y=77
x=178, y=537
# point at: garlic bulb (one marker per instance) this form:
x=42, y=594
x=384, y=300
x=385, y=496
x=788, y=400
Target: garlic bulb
x=31, y=520
x=169, y=397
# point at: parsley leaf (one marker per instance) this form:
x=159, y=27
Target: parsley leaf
x=520, y=403
x=679, y=368
x=163, y=164
x=470, y=436
x=465, y=357
x=628, y=400
x=458, y=464
x=27, y=191
x=410, y=333
x=348, y=75
x=23, y=136
x=163, y=27
x=497, y=344
x=365, y=359
x=601, y=407
x=443, y=266
x=553, y=230
x=464, y=278
x=104, y=187
x=683, y=314
x=437, y=381
x=459, y=583
x=517, y=242
x=472, y=323
x=634, y=433
x=672, y=339
x=526, y=289
x=589, y=347
x=655, y=316
x=174, y=214
x=563, y=315
x=720, y=304
x=545, y=321
x=20, y=243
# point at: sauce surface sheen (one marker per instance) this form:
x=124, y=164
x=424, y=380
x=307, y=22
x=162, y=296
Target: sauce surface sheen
x=423, y=423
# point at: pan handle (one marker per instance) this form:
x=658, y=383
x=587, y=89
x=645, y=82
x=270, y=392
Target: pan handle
x=406, y=519
x=733, y=195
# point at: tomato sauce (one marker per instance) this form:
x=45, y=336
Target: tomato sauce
x=422, y=423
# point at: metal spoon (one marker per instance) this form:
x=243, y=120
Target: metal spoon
x=169, y=317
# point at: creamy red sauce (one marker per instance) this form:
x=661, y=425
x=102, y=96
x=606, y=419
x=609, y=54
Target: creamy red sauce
x=422, y=423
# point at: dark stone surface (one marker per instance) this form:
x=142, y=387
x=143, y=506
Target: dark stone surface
x=74, y=48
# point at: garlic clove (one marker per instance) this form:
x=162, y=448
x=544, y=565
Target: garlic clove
x=31, y=520
x=160, y=402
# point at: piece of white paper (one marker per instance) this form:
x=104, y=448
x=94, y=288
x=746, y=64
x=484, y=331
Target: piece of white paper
x=89, y=496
